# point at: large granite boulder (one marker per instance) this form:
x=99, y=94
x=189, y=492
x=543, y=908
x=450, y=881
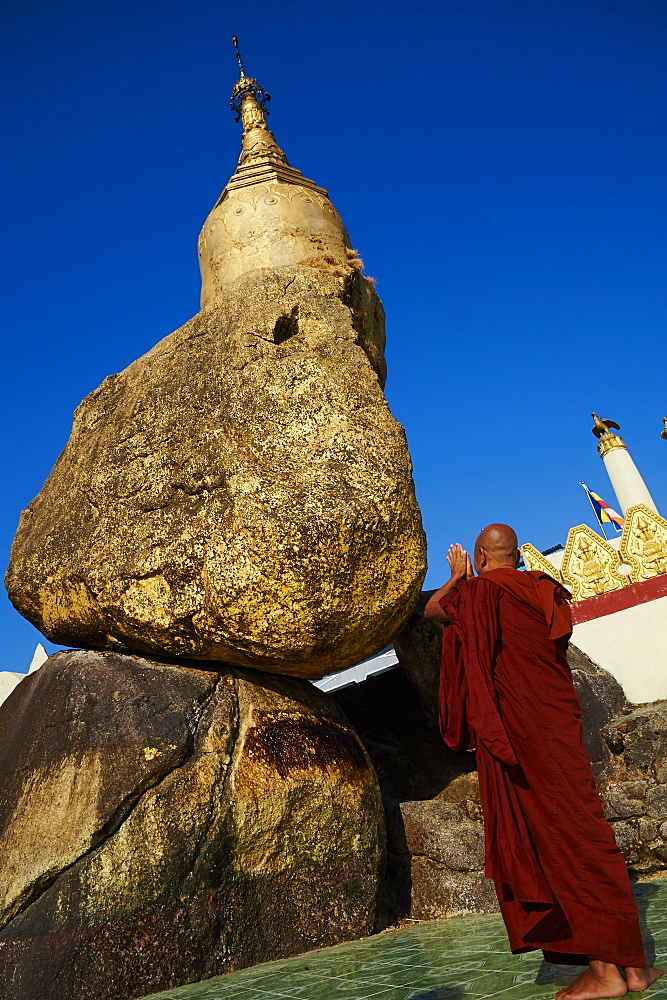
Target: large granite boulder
x=241, y=493
x=162, y=824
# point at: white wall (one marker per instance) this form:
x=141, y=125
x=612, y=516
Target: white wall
x=631, y=645
x=355, y=675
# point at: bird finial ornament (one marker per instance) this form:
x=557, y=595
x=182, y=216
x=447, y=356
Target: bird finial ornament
x=664, y=431
x=601, y=427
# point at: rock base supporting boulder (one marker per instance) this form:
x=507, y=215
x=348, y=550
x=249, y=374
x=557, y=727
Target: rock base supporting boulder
x=162, y=825
x=447, y=861
x=416, y=770
x=633, y=785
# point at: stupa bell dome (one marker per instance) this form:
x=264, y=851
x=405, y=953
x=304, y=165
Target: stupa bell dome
x=269, y=214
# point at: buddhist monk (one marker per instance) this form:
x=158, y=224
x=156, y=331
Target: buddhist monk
x=506, y=691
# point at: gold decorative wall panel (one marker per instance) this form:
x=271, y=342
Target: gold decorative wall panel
x=534, y=560
x=644, y=542
x=591, y=566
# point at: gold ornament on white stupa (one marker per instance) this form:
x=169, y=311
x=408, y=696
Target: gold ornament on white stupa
x=591, y=565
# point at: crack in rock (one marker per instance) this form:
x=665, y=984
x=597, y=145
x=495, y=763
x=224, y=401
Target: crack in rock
x=32, y=893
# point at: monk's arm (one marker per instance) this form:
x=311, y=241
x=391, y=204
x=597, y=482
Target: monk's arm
x=459, y=564
x=433, y=609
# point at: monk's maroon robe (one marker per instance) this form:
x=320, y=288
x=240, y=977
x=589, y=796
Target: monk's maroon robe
x=506, y=690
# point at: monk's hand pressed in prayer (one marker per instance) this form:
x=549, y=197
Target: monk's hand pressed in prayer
x=459, y=563
x=460, y=568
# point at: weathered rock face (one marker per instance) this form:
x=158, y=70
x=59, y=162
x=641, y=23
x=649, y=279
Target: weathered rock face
x=416, y=770
x=601, y=698
x=418, y=646
x=447, y=861
x=240, y=493
x=633, y=785
x=410, y=757
x=175, y=824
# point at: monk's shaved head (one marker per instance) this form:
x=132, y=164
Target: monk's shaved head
x=499, y=539
x=496, y=545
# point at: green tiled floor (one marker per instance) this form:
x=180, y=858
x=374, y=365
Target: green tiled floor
x=465, y=957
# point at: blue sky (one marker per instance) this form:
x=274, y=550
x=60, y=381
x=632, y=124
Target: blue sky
x=500, y=167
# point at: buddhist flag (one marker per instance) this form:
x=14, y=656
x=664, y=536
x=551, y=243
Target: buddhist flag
x=604, y=513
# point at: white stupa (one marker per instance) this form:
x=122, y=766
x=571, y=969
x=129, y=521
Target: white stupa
x=618, y=585
x=625, y=478
x=10, y=678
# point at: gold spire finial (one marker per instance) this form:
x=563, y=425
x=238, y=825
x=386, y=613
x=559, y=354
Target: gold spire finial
x=235, y=43
x=247, y=88
x=249, y=104
x=663, y=433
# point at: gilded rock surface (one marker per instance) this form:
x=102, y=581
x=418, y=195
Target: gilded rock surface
x=175, y=824
x=240, y=493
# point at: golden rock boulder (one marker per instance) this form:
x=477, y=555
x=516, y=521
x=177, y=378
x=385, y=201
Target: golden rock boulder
x=240, y=493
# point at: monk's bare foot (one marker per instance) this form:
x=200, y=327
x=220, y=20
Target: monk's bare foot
x=600, y=980
x=640, y=979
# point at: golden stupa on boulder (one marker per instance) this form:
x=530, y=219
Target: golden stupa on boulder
x=269, y=215
x=240, y=493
